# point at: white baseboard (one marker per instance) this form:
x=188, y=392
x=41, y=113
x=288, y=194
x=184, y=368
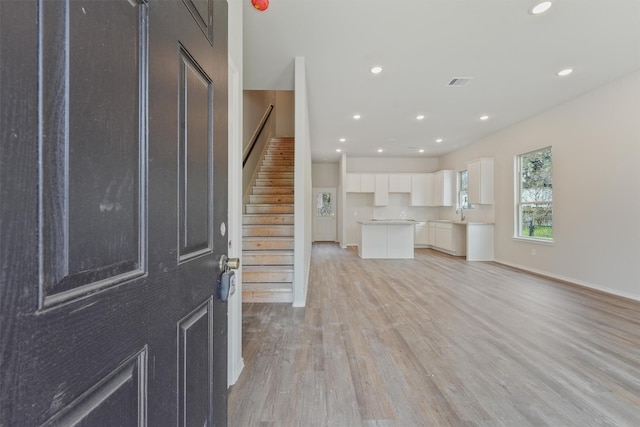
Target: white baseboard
x=235, y=373
x=570, y=280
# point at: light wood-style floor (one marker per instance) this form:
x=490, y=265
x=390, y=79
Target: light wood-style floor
x=438, y=341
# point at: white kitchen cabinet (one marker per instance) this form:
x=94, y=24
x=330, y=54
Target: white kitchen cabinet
x=444, y=238
x=421, y=237
x=386, y=239
x=422, y=189
x=367, y=183
x=444, y=188
x=479, y=242
x=399, y=183
x=449, y=237
x=360, y=183
x=432, y=234
x=352, y=184
x=381, y=194
x=481, y=181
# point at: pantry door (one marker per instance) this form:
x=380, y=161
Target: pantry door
x=113, y=211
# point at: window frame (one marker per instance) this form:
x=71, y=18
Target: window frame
x=518, y=208
x=460, y=204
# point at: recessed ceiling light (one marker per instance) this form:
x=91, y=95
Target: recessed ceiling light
x=356, y=116
x=485, y=117
x=338, y=150
x=376, y=70
x=421, y=150
x=439, y=140
x=420, y=116
x=565, y=72
x=343, y=139
x=379, y=150
x=540, y=7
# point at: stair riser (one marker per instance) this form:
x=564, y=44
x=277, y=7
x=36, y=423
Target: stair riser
x=272, y=209
x=267, y=231
x=267, y=259
x=278, y=162
x=289, y=154
x=282, y=169
x=267, y=276
x=289, y=143
x=271, y=244
x=274, y=182
x=282, y=144
x=289, y=157
x=267, y=297
x=261, y=191
x=278, y=198
x=268, y=219
x=275, y=175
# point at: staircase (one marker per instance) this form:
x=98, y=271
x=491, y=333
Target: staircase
x=267, y=228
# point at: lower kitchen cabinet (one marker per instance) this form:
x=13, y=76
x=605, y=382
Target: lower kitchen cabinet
x=421, y=238
x=448, y=237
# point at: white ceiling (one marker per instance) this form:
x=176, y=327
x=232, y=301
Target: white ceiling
x=513, y=57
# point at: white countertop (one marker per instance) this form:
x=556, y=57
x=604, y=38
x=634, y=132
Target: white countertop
x=387, y=222
x=462, y=222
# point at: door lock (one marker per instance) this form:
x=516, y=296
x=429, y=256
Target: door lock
x=227, y=280
x=227, y=263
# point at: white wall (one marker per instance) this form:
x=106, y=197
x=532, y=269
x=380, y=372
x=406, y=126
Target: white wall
x=255, y=104
x=325, y=175
x=596, y=188
x=342, y=201
x=302, y=189
x=285, y=113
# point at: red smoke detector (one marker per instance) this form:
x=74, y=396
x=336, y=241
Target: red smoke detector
x=260, y=4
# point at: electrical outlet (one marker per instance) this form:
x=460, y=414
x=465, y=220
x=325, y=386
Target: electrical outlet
x=533, y=252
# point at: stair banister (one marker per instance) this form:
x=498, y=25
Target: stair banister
x=256, y=134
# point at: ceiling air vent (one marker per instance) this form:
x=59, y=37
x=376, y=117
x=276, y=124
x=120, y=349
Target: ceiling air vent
x=460, y=81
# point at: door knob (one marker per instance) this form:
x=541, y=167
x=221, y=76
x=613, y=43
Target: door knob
x=227, y=263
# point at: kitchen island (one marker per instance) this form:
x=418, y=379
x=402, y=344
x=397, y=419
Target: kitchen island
x=391, y=239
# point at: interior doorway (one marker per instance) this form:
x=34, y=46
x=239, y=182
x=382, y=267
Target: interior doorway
x=324, y=214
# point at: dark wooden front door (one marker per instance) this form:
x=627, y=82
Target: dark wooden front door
x=113, y=205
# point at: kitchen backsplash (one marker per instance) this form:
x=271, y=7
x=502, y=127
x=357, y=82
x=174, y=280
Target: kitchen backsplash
x=398, y=208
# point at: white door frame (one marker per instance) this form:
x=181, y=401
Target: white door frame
x=333, y=191
x=235, y=362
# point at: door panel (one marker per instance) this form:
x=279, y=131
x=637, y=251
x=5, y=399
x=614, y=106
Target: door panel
x=113, y=124
x=93, y=153
x=195, y=180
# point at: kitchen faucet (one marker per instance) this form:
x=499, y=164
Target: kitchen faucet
x=461, y=214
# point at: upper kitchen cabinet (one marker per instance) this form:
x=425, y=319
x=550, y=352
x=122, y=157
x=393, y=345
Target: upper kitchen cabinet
x=381, y=194
x=352, y=184
x=444, y=188
x=481, y=181
x=360, y=183
x=399, y=183
x=422, y=189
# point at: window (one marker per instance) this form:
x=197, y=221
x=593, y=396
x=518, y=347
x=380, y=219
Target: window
x=463, y=190
x=535, y=195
